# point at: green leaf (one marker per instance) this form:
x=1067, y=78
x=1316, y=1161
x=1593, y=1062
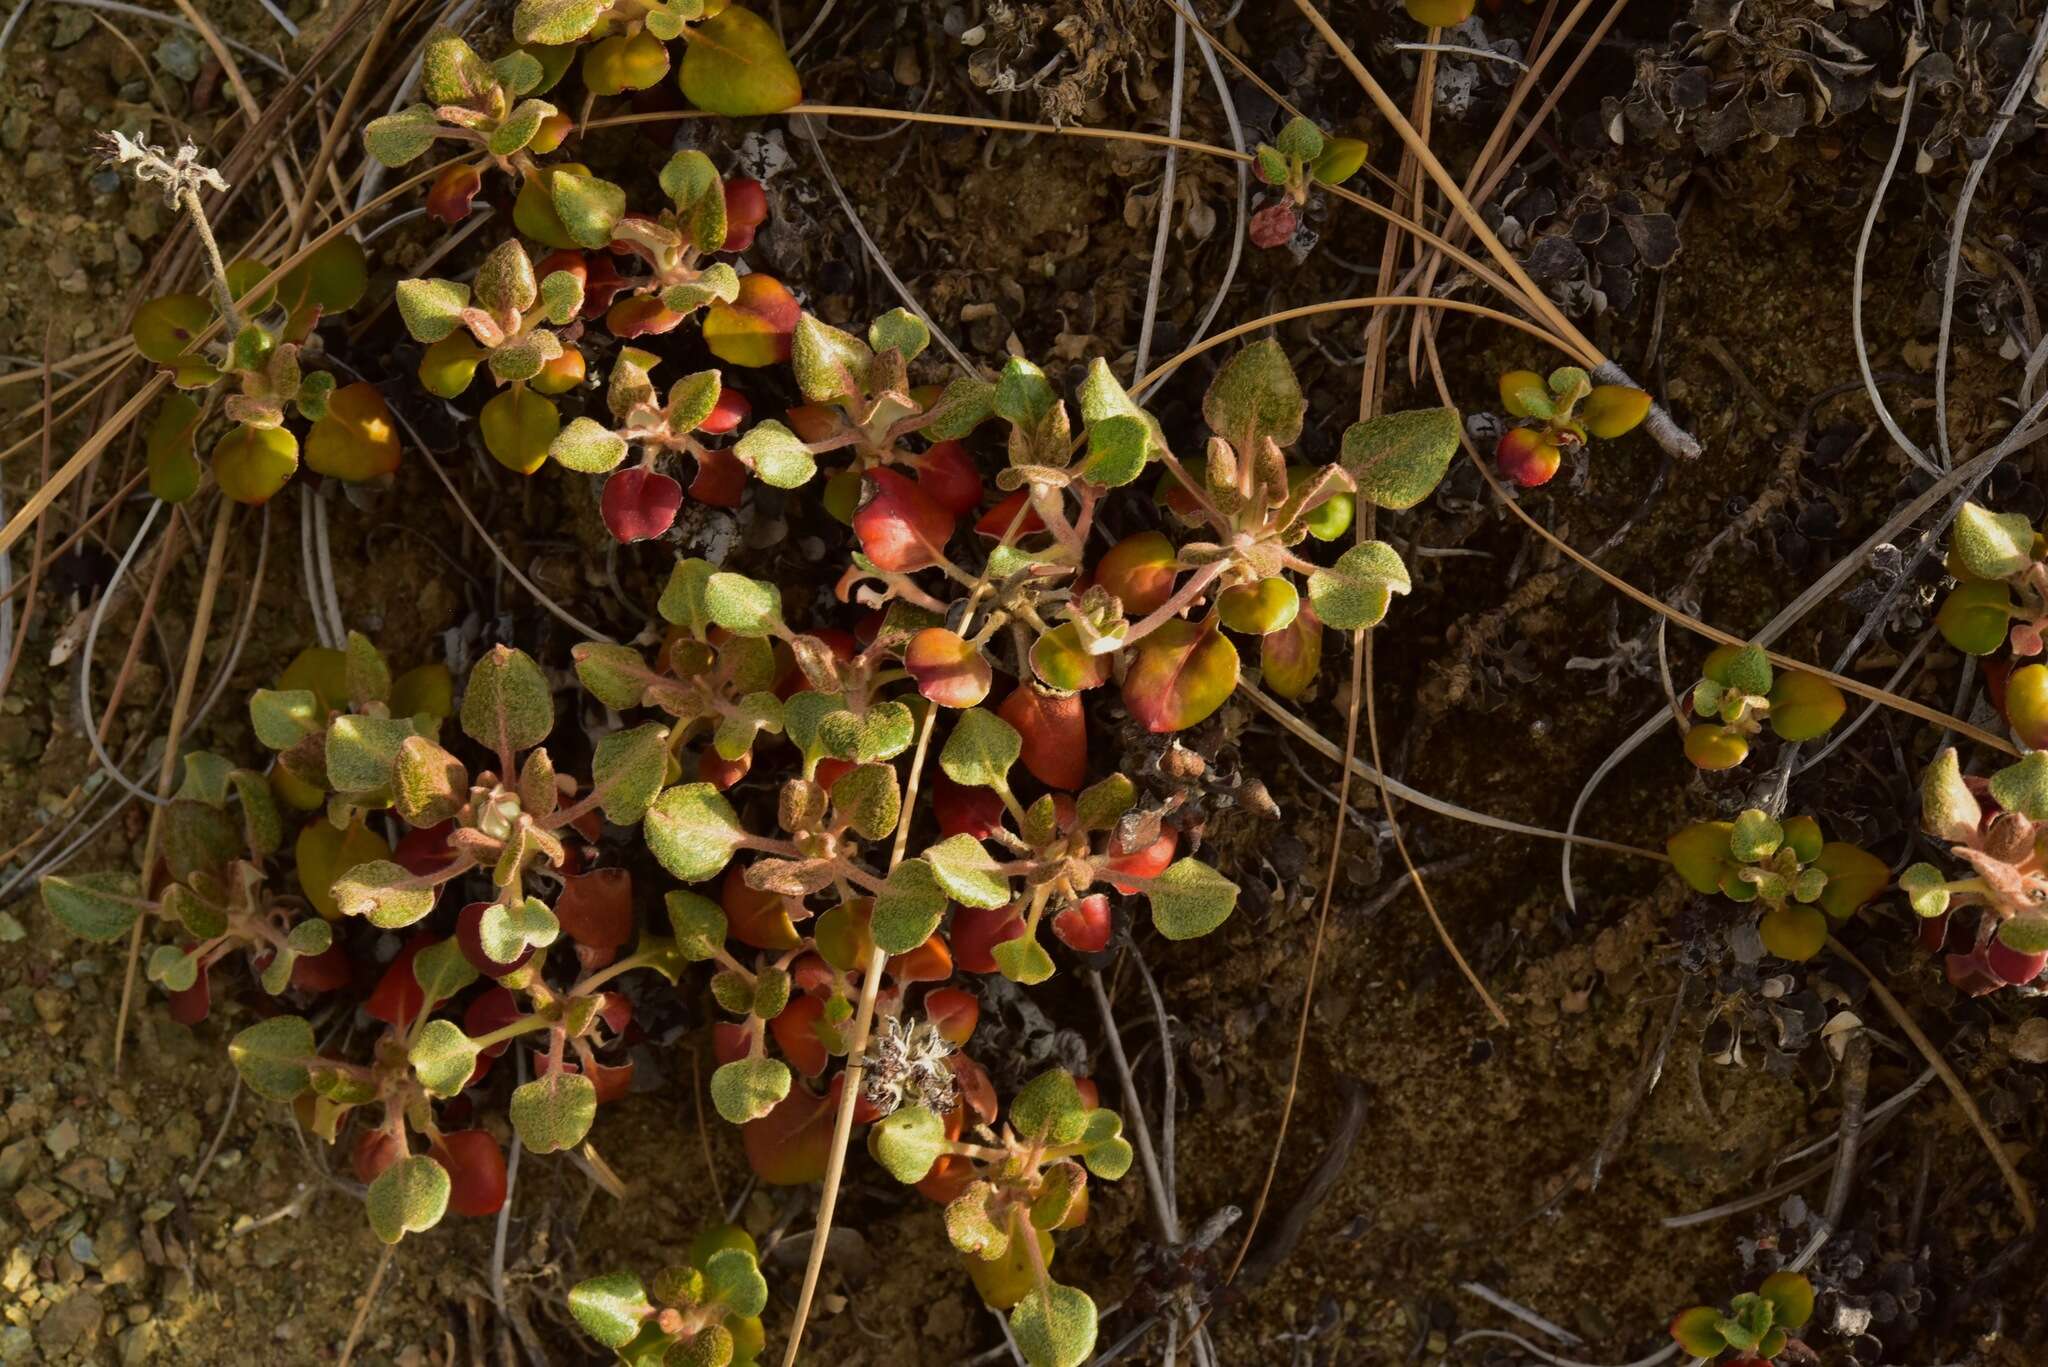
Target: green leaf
x=1300, y=140
x=554, y=1112
x=589, y=208
x=967, y=872
x=519, y=127
x=95, y=906
x=736, y=65
x=1049, y=1109
x=743, y=606
x=692, y=399
x=685, y=600
x=2023, y=787
x=777, y=455
x=1022, y=960
x=431, y=308
x=870, y=799
x=1190, y=899
x=628, y=767
x=901, y=331
x=409, y=1197
x=175, y=970
x=981, y=749
x=611, y=1308
x=507, y=706
x=1397, y=459
x=1755, y=836
x=282, y=718
x=830, y=365
x=1948, y=810
x=1993, y=545
x=1108, y=1154
x=443, y=1058
x=362, y=753
x=1100, y=805
x=396, y=139
x=1354, y=593
x=698, y=924
x=383, y=892
x=747, y=1089
x=442, y=970
x=908, y=908
x=272, y=1056
x=1926, y=889
x=588, y=447
x=1023, y=396
x=429, y=785
x=908, y=1142
x=964, y=406
x=506, y=930
x=733, y=1279
x=1254, y=397
x=693, y=831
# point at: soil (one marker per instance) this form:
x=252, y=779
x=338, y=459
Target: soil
x=153, y=1215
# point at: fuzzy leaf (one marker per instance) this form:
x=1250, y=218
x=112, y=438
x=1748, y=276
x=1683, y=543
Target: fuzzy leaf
x=698, y=924
x=693, y=831
x=1993, y=545
x=1399, y=458
x=430, y=784
x=95, y=906
x=442, y=1057
x=901, y=331
x=384, y=893
x=747, y=1089
x=431, y=308
x=628, y=767
x=272, y=1056
x=733, y=1279
x=506, y=706
x=283, y=717
x=589, y=208
x=396, y=139
x=964, y=406
x=554, y=1112
x=685, y=602
x=908, y=1142
x=743, y=606
x=830, y=365
x=967, y=872
x=2023, y=787
x=409, y=1197
x=588, y=447
x=362, y=752
x=1948, y=809
x=1049, y=1109
x=981, y=749
x=441, y=969
x=777, y=455
x=1190, y=899
x=1055, y=1326
x=870, y=799
x=908, y=908
x=611, y=1308
x=1354, y=593
x=1253, y=397
x=506, y=931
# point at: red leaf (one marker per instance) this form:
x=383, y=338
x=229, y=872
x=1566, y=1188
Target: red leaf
x=375, y=1150
x=962, y=810
x=641, y=317
x=476, y=1171
x=746, y=206
x=978, y=930
x=195, y=1003
x=398, y=996
x=729, y=412
x=1086, y=925
x=596, y=908
x=930, y=962
x=796, y=1035
x=996, y=520
x=1273, y=226
x=1055, y=734
x=452, y=192
x=640, y=504
x=1146, y=863
x=947, y=473
x=901, y=527
x=954, y=1011
x=327, y=971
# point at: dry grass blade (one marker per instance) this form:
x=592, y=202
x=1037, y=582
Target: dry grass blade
x=195, y=651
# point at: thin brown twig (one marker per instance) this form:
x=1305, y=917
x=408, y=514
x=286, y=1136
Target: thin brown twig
x=2022, y=1198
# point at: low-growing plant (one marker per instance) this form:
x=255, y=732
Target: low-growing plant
x=1300, y=156
x=1742, y=694
x=1805, y=885
x=1559, y=415
x=1754, y=1327
x=1994, y=826
x=705, y=1311
x=253, y=366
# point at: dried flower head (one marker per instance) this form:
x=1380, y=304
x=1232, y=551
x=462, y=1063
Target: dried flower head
x=150, y=165
x=907, y=1062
